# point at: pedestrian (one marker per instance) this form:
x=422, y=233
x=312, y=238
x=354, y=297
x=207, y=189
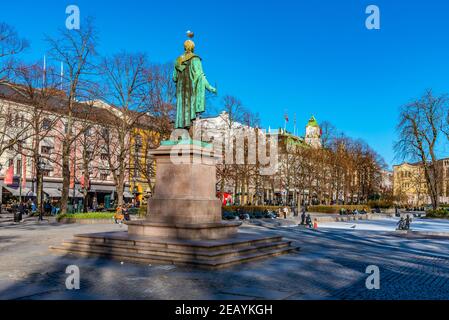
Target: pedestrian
x=401, y=224
x=303, y=215
x=315, y=223
x=285, y=212
x=21, y=211
x=309, y=221
x=408, y=222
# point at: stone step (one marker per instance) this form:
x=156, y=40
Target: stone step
x=150, y=258
x=210, y=245
x=192, y=252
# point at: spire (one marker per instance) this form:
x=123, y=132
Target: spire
x=312, y=122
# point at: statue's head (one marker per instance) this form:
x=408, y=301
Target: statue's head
x=189, y=46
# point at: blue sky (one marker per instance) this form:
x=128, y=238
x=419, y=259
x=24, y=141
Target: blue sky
x=303, y=57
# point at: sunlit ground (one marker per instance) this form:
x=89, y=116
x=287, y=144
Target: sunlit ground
x=390, y=224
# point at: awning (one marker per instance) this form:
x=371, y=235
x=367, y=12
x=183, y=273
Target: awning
x=26, y=192
x=77, y=194
x=52, y=193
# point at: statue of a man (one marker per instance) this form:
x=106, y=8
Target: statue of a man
x=191, y=86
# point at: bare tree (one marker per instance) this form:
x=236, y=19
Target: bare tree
x=39, y=92
x=125, y=79
x=157, y=123
x=10, y=45
x=76, y=49
x=419, y=130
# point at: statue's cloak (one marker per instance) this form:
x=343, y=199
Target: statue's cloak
x=191, y=85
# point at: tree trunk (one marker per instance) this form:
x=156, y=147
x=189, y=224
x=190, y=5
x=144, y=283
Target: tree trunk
x=65, y=179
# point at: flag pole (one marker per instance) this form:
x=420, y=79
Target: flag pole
x=44, y=75
x=62, y=74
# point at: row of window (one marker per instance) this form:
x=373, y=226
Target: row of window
x=17, y=121
x=17, y=169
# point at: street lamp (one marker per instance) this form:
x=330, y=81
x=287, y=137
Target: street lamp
x=137, y=146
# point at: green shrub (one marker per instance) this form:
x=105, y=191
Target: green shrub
x=439, y=213
x=88, y=215
x=336, y=208
x=251, y=209
x=381, y=204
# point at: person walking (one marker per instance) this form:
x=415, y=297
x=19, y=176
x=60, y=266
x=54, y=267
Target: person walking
x=285, y=211
x=309, y=221
x=21, y=211
x=303, y=215
x=408, y=222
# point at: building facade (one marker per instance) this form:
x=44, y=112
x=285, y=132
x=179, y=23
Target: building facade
x=30, y=133
x=410, y=187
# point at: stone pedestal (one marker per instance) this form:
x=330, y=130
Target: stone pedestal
x=184, y=225
x=184, y=204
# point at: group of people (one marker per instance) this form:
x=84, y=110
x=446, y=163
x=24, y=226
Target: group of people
x=404, y=224
x=306, y=220
x=27, y=207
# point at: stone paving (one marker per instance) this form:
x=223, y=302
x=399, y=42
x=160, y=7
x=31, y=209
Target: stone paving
x=330, y=265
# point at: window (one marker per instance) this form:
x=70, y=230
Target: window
x=18, y=167
x=138, y=141
x=11, y=163
x=46, y=124
x=19, y=146
x=104, y=176
x=46, y=173
x=9, y=119
x=45, y=150
x=104, y=156
x=88, y=131
x=105, y=132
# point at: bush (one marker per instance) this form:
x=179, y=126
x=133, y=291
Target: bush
x=381, y=204
x=439, y=213
x=254, y=212
x=89, y=215
x=336, y=208
x=250, y=209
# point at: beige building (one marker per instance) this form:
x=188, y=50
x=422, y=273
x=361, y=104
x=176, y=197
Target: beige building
x=409, y=183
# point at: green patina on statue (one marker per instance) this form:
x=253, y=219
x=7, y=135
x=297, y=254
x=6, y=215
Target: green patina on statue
x=191, y=86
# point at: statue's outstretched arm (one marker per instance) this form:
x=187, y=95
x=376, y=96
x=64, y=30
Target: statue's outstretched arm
x=198, y=69
x=175, y=75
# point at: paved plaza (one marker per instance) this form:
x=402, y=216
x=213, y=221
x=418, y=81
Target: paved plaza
x=330, y=265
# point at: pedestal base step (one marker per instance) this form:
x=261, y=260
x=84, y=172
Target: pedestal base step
x=210, y=254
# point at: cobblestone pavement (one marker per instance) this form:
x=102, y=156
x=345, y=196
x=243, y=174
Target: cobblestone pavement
x=330, y=265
